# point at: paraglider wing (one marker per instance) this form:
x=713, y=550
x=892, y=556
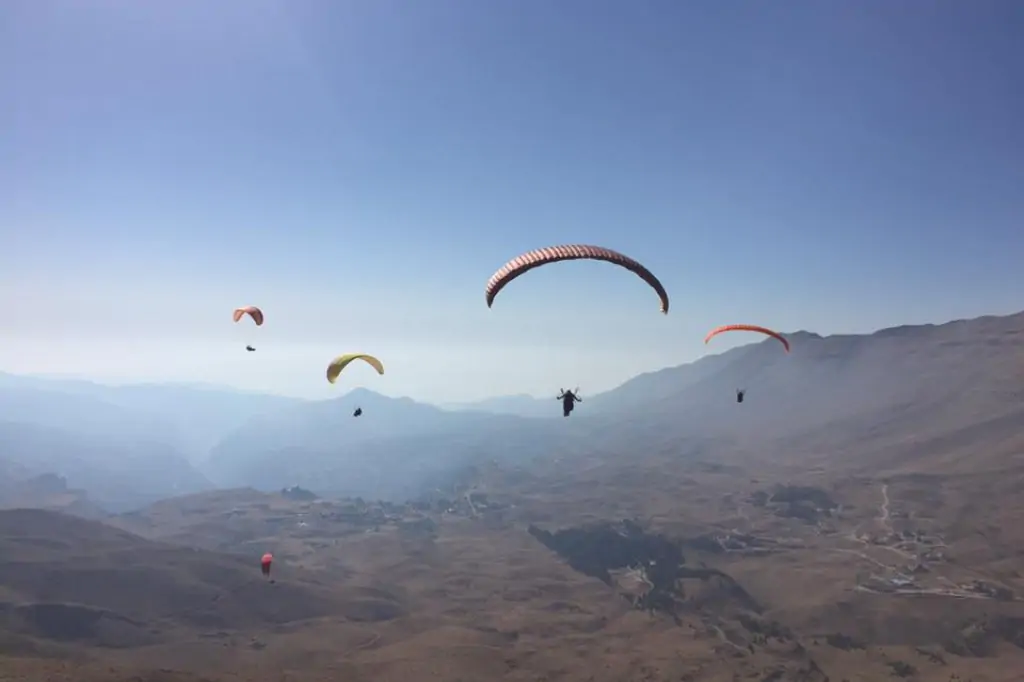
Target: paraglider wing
x=747, y=328
x=339, y=363
x=252, y=311
x=553, y=254
x=265, y=563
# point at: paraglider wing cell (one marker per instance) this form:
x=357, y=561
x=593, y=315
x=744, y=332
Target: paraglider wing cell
x=553, y=254
x=747, y=328
x=339, y=363
x=252, y=311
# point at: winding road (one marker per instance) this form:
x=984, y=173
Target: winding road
x=934, y=592
x=883, y=510
x=885, y=520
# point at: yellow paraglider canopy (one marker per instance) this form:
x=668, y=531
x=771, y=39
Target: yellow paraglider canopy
x=341, y=362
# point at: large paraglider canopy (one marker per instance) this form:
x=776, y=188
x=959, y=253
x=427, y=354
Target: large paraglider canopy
x=342, y=361
x=553, y=254
x=252, y=311
x=747, y=328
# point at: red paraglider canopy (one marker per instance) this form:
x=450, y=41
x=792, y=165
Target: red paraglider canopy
x=265, y=562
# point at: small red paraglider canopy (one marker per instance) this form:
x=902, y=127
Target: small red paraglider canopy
x=265, y=562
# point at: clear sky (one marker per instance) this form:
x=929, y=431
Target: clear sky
x=360, y=168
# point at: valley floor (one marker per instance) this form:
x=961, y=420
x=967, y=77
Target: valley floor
x=781, y=579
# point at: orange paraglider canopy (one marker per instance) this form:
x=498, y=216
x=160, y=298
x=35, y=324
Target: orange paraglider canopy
x=747, y=328
x=252, y=311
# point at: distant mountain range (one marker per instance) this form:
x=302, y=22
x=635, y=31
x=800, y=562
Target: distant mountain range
x=518, y=405
x=903, y=397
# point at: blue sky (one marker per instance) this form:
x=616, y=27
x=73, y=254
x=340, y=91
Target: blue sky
x=359, y=169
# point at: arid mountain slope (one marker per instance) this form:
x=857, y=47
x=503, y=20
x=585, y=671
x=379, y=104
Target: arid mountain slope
x=904, y=398
x=70, y=580
x=47, y=491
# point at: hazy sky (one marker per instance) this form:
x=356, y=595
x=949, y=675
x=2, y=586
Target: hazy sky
x=359, y=169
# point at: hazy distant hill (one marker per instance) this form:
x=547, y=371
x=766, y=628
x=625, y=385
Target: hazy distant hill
x=192, y=418
x=117, y=476
x=48, y=406
x=919, y=396
x=519, y=405
x=397, y=447
x=124, y=446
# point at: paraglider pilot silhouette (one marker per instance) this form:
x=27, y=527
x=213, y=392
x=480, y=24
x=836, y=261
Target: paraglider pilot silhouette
x=569, y=400
x=740, y=392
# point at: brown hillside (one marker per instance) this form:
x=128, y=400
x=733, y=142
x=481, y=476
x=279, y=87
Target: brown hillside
x=71, y=580
x=907, y=398
x=47, y=491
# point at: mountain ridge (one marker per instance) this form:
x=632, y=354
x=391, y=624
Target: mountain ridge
x=830, y=393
